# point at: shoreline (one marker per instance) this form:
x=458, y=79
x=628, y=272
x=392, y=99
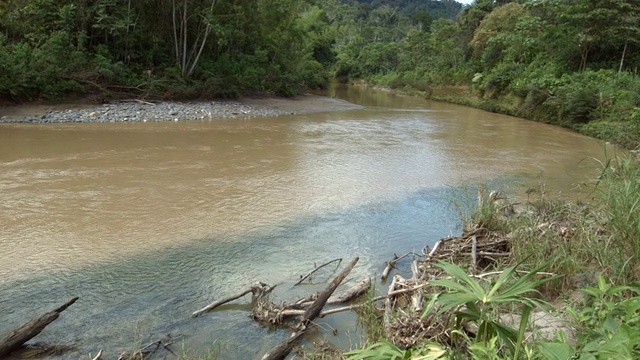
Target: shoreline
x=142, y=111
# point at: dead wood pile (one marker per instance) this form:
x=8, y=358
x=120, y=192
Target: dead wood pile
x=477, y=247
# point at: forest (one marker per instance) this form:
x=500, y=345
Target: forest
x=571, y=63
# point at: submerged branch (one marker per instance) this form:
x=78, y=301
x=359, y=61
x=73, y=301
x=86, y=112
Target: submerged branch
x=302, y=278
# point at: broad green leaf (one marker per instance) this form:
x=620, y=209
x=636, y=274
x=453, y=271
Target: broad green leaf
x=506, y=275
x=524, y=320
x=452, y=285
x=610, y=324
x=431, y=351
x=452, y=300
x=556, y=351
x=603, y=286
x=457, y=272
x=430, y=306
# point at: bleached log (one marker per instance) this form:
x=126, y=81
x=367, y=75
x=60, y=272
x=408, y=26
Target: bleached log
x=388, y=305
x=351, y=293
x=298, y=309
x=391, y=264
x=257, y=288
x=474, y=249
x=416, y=297
x=294, y=312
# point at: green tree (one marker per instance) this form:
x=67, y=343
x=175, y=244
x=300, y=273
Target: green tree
x=424, y=19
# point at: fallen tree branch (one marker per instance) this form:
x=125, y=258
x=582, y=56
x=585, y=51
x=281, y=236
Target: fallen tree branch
x=302, y=278
x=474, y=250
x=351, y=293
x=138, y=101
x=281, y=351
x=416, y=298
x=26, y=332
x=391, y=264
x=484, y=253
x=294, y=312
x=257, y=288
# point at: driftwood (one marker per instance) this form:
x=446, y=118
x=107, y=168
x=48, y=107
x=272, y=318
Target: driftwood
x=257, y=288
x=294, y=312
x=98, y=355
x=303, y=278
x=270, y=314
x=138, y=101
x=351, y=293
x=26, y=332
x=283, y=349
x=388, y=304
x=391, y=264
x=416, y=298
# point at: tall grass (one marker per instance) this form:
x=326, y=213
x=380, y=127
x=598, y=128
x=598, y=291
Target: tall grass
x=621, y=205
x=583, y=241
x=370, y=320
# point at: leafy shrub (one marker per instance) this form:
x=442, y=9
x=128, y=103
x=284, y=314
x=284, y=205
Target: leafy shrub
x=500, y=78
x=479, y=302
x=6, y=70
x=403, y=82
x=608, y=325
x=534, y=98
x=580, y=105
x=625, y=134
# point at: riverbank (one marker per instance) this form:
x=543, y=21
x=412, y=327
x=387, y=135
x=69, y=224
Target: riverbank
x=143, y=111
x=542, y=279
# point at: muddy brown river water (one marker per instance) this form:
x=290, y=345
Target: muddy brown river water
x=147, y=222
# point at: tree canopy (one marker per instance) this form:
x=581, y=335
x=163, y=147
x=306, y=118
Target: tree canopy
x=172, y=48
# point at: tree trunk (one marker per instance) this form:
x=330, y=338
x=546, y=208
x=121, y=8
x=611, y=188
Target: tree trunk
x=624, y=52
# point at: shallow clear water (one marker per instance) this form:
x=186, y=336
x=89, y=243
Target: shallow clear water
x=147, y=222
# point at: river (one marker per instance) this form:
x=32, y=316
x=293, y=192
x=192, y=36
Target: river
x=147, y=222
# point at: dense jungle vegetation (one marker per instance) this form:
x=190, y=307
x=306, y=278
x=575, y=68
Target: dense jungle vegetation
x=573, y=63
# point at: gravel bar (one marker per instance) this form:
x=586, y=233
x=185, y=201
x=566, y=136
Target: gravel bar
x=135, y=111
x=142, y=111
